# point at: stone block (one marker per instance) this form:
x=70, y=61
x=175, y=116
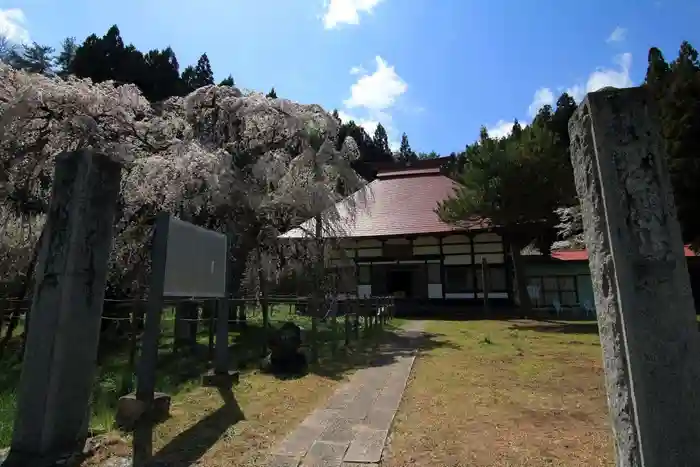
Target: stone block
x=130, y=410
x=283, y=461
x=298, y=442
x=367, y=446
x=325, y=454
x=340, y=431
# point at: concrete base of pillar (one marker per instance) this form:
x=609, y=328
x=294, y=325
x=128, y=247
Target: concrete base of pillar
x=220, y=380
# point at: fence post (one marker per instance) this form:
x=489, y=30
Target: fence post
x=132, y=338
x=334, y=327
x=211, y=310
x=146, y=374
x=368, y=322
x=348, y=317
x=314, y=338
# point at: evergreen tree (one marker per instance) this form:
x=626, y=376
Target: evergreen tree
x=381, y=144
x=405, y=154
x=64, y=59
x=198, y=76
x=163, y=77
x=188, y=80
x=517, y=182
x=6, y=49
x=676, y=88
x=228, y=81
x=428, y=155
x=272, y=94
x=104, y=58
x=559, y=122
x=35, y=58
x=517, y=130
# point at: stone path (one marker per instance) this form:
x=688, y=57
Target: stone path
x=351, y=429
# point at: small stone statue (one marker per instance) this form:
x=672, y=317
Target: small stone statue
x=285, y=357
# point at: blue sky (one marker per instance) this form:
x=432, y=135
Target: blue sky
x=435, y=69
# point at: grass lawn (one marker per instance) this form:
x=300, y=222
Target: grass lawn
x=505, y=393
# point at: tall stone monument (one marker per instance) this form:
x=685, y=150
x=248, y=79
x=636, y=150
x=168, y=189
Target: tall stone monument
x=646, y=316
x=60, y=357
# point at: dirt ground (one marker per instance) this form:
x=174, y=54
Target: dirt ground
x=505, y=393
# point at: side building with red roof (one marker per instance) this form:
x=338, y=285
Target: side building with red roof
x=395, y=243
x=563, y=280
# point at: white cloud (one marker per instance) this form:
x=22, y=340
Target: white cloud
x=542, y=97
x=500, y=129
x=346, y=11
x=368, y=124
x=604, y=77
x=610, y=77
x=373, y=98
x=12, y=25
x=618, y=35
x=377, y=91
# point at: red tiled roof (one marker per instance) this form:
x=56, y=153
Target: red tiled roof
x=400, y=202
x=582, y=255
x=419, y=164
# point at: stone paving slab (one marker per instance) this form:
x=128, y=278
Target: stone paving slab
x=352, y=427
x=379, y=418
x=340, y=431
x=299, y=441
x=277, y=460
x=325, y=454
x=367, y=446
x=321, y=418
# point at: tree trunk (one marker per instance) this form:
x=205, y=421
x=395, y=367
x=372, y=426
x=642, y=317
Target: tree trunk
x=14, y=315
x=239, y=253
x=318, y=288
x=262, y=289
x=521, y=280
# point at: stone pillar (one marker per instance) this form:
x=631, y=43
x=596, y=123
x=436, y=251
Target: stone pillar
x=646, y=315
x=60, y=358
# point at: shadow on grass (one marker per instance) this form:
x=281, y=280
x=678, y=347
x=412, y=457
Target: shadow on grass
x=190, y=445
x=583, y=327
x=380, y=349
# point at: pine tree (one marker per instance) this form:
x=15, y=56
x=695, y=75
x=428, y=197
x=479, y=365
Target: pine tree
x=517, y=130
x=162, y=79
x=381, y=144
x=35, y=58
x=65, y=57
x=228, y=81
x=203, y=74
x=676, y=88
x=272, y=94
x=559, y=122
x=405, y=154
x=7, y=47
x=198, y=76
